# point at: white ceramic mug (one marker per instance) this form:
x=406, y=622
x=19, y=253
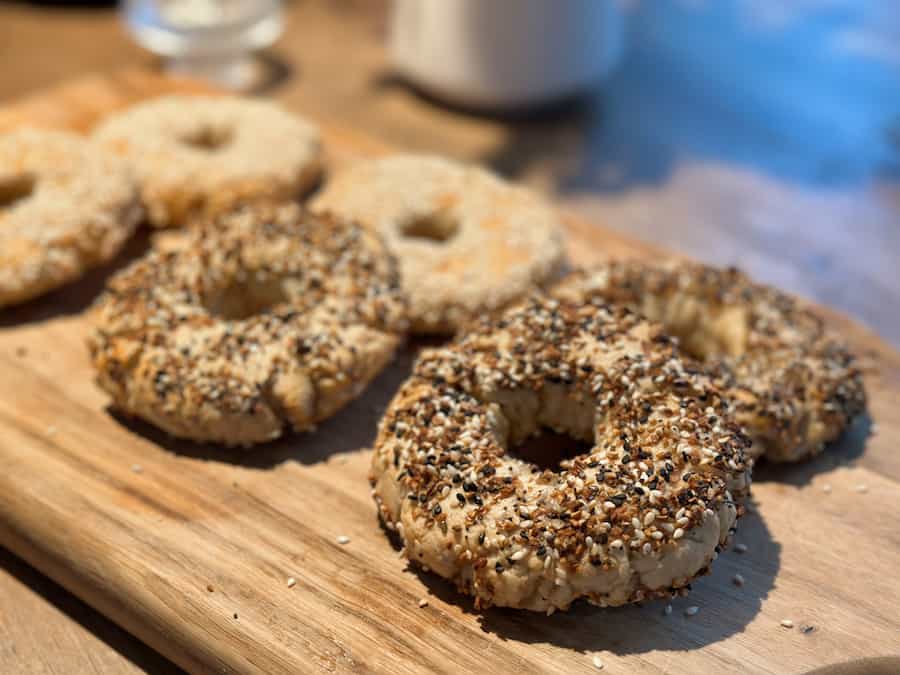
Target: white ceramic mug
x=505, y=53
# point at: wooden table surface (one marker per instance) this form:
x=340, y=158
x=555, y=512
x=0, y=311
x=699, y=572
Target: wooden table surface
x=787, y=166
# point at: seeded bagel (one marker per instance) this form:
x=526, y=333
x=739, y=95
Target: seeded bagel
x=467, y=241
x=66, y=206
x=199, y=156
x=637, y=516
x=796, y=386
x=269, y=317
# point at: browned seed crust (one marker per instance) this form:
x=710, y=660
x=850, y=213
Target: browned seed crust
x=503, y=241
x=796, y=386
x=638, y=516
x=196, y=157
x=269, y=317
x=65, y=206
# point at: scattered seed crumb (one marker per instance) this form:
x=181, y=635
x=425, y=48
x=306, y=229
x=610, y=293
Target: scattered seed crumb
x=137, y=468
x=291, y=582
x=807, y=629
x=423, y=603
x=235, y=615
x=343, y=539
x=787, y=623
x=667, y=610
x=598, y=664
x=737, y=580
x=873, y=429
x=862, y=487
x=740, y=548
x=690, y=611
x=209, y=587
x=826, y=488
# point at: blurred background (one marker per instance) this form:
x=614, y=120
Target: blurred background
x=760, y=133
x=754, y=132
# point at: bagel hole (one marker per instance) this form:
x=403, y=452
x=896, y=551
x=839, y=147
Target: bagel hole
x=439, y=227
x=14, y=189
x=239, y=301
x=208, y=139
x=548, y=449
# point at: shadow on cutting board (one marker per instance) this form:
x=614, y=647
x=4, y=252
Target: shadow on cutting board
x=725, y=609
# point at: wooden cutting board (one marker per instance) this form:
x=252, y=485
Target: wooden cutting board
x=190, y=547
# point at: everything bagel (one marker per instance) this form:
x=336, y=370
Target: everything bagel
x=639, y=515
x=795, y=385
x=269, y=317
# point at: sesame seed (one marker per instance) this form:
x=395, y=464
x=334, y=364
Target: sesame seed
x=740, y=548
x=51, y=430
x=691, y=611
x=738, y=580
x=343, y=539
x=423, y=603
x=809, y=628
x=667, y=610
x=291, y=582
x=137, y=468
x=787, y=623
x=598, y=664
x=826, y=488
x=862, y=488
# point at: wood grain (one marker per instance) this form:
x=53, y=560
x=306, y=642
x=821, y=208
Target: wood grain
x=190, y=547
